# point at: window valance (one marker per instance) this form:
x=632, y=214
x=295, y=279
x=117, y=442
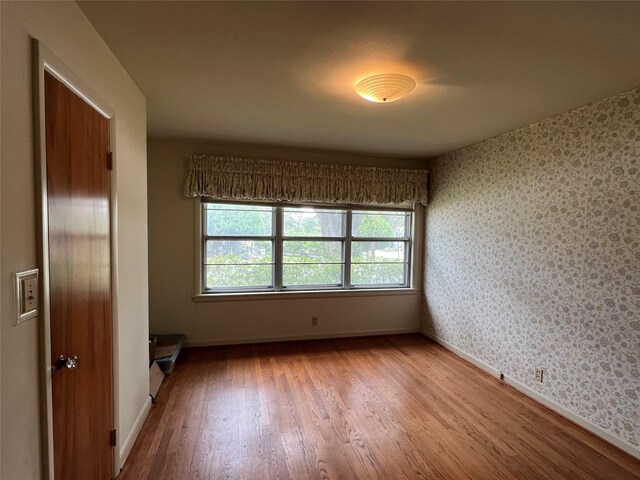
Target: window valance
x=238, y=178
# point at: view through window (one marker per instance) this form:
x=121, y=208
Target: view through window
x=253, y=247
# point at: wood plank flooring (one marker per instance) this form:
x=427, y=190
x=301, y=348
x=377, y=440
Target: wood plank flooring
x=396, y=407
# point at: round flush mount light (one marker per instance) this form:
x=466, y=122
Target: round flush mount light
x=385, y=88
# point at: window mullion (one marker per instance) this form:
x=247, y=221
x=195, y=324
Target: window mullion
x=381, y=239
x=278, y=249
x=347, y=252
x=233, y=238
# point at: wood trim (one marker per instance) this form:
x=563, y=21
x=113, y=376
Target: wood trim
x=541, y=399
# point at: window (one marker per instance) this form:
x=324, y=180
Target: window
x=256, y=247
x=312, y=247
x=380, y=248
x=238, y=247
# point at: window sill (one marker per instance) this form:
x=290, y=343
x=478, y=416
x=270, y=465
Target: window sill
x=245, y=297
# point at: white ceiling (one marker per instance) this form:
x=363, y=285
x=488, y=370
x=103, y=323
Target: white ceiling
x=282, y=73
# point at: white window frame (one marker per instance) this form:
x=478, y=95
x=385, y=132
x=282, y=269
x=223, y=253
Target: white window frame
x=257, y=238
x=277, y=237
x=281, y=238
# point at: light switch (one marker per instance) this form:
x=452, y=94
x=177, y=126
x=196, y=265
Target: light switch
x=29, y=294
x=26, y=295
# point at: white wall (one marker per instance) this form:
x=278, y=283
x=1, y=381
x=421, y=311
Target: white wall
x=66, y=32
x=172, y=265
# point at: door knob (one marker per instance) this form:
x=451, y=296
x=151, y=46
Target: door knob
x=62, y=362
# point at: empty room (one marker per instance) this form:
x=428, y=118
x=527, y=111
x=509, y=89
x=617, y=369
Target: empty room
x=320, y=240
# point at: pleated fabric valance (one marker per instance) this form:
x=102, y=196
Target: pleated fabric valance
x=235, y=178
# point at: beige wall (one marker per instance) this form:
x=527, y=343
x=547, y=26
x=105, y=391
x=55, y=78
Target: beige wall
x=533, y=259
x=64, y=30
x=172, y=265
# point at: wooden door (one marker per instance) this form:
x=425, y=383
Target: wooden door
x=78, y=191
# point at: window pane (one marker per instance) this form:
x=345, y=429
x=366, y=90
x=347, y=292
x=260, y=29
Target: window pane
x=309, y=222
x=221, y=276
x=312, y=252
x=377, y=252
x=378, y=274
x=379, y=224
x=235, y=261
x=238, y=251
x=238, y=220
x=305, y=274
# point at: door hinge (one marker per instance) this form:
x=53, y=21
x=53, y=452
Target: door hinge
x=109, y=160
x=112, y=438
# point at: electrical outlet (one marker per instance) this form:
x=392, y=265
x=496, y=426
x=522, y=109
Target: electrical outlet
x=539, y=375
x=314, y=321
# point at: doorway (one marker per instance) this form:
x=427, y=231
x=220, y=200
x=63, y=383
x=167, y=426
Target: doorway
x=76, y=262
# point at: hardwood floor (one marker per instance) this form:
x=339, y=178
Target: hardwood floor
x=398, y=407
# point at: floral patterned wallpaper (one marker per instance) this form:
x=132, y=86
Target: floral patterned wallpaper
x=533, y=258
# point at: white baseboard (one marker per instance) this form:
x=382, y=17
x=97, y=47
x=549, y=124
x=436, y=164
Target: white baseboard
x=522, y=388
x=291, y=338
x=133, y=435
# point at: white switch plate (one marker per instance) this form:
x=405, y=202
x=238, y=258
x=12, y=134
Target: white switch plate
x=26, y=295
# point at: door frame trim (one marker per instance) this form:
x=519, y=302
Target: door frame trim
x=44, y=60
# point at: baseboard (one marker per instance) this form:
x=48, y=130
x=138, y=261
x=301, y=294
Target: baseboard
x=292, y=338
x=524, y=389
x=135, y=431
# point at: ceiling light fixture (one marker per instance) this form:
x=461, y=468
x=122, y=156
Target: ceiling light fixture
x=385, y=88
